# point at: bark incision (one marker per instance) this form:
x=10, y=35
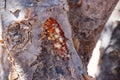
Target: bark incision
x=56, y=68
x=38, y=60
x=58, y=55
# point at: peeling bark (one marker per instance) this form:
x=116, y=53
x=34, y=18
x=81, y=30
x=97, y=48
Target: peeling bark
x=34, y=56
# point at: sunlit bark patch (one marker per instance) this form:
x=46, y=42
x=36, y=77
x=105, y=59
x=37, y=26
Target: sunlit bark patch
x=53, y=31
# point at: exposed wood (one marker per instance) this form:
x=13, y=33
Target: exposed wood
x=38, y=37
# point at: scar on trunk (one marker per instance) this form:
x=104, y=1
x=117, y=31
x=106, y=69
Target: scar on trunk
x=53, y=31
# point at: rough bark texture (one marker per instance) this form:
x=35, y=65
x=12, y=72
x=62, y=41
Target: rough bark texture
x=87, y=18
x=31, y=47
x=110, y=57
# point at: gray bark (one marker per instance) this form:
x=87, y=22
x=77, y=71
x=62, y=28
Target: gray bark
x=30, y=51
x=110, y=59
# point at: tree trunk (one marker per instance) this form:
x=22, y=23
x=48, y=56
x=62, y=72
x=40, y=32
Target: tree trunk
x=87, y=18
x=41, y=38
x=110, y=57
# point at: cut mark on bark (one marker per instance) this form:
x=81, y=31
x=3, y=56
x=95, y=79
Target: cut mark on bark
x=53, y=31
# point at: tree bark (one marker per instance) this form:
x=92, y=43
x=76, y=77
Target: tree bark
x=87, y=19
x=109, y=62
x=41, y=38
x=109, y=59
